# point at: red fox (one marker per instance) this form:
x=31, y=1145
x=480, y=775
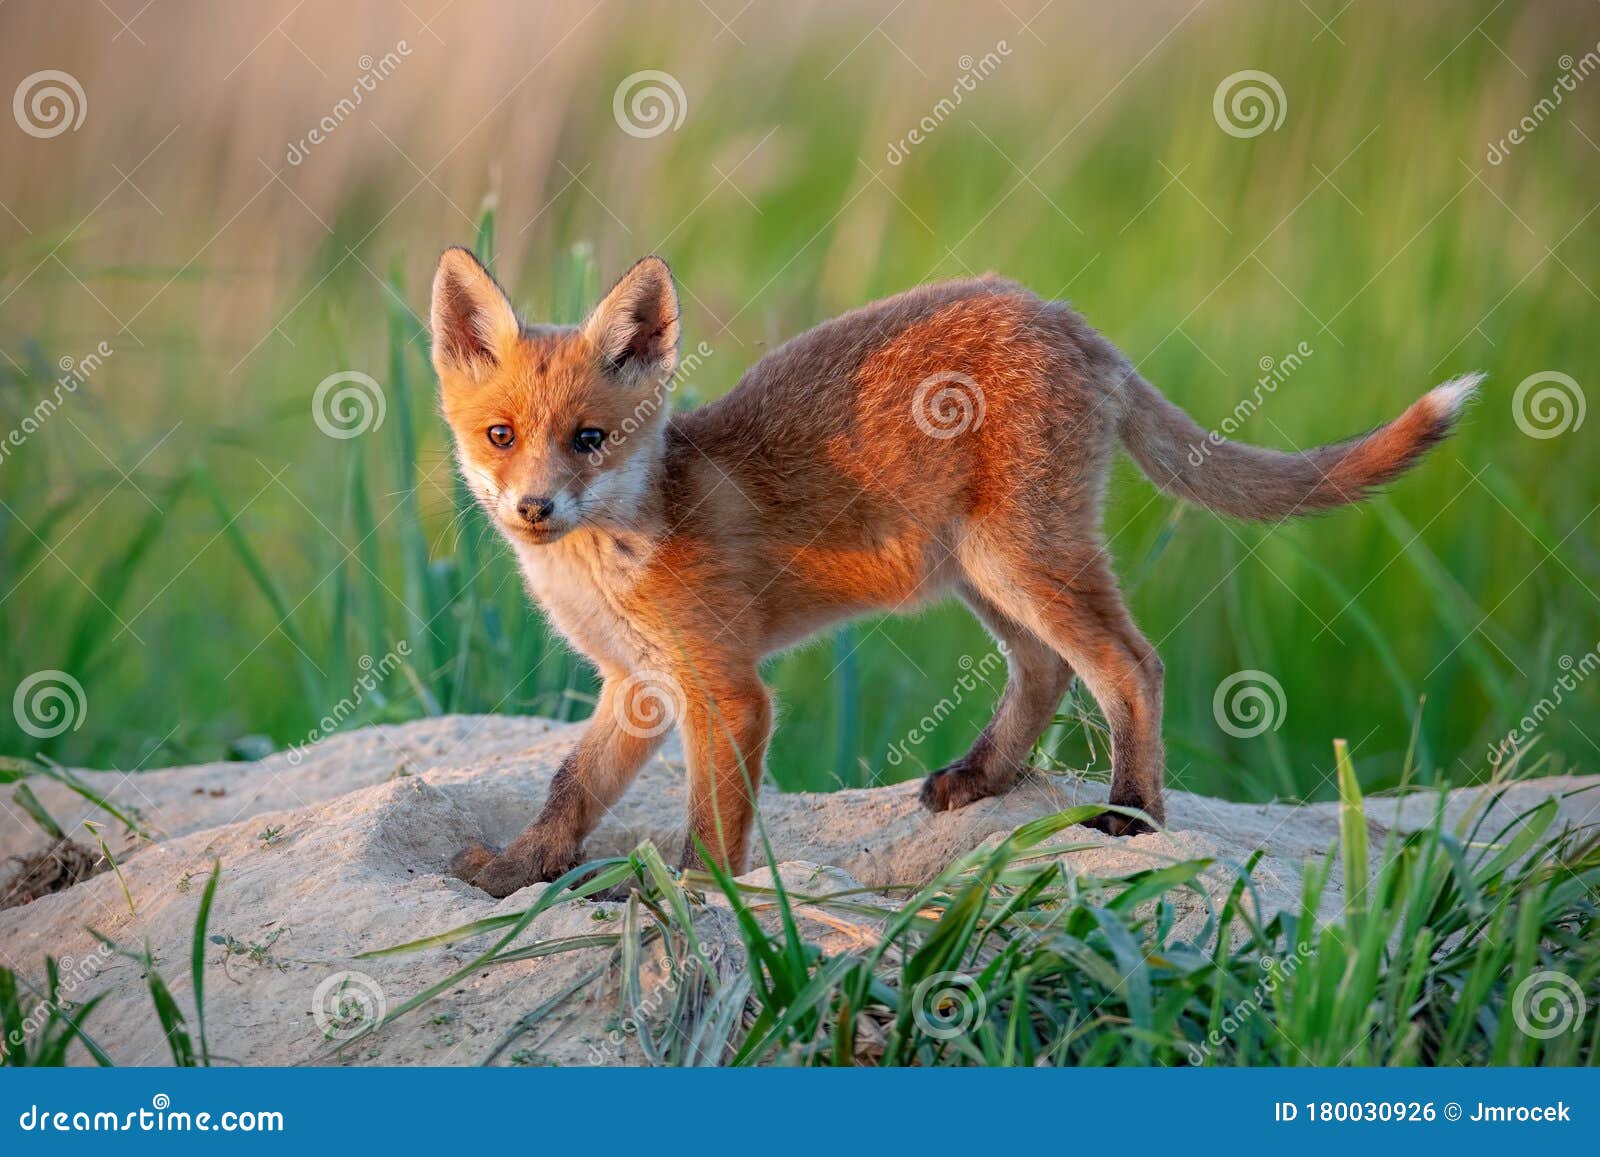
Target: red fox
x=954, y=438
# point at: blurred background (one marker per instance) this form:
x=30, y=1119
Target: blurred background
x=230, y=522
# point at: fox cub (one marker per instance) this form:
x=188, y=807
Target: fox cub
x=955, y=438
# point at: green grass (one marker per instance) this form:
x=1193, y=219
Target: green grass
x=237, y=597
x=39, y=1028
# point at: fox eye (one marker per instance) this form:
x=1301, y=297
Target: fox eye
x=501, y=436
x=588, y=440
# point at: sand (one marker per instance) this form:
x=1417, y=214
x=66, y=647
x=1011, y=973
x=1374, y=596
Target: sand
x=347, y=849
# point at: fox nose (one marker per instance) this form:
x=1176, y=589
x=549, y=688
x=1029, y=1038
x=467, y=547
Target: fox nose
x=535, y=508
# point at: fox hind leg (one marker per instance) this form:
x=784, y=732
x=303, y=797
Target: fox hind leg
x=1077, y=609
x=1037, y=679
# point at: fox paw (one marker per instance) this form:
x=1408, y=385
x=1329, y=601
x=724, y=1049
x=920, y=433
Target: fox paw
x=1116, y=824
x=511, y=870
x=470, y=860
x=954, y=787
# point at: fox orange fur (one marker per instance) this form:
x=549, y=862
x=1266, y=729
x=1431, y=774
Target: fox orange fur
x=954, y=438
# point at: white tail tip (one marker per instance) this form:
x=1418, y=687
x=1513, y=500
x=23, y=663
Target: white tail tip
x=1450, y=397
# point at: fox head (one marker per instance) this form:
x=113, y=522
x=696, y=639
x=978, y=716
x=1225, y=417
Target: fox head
x=555, y=427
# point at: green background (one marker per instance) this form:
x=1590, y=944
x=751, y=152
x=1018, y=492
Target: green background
x=183, y=540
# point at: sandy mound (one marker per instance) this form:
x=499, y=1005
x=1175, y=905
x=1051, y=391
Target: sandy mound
x=347, y=851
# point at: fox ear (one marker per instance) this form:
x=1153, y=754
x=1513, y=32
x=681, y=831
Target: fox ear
x=474, y=326
x=635, y=327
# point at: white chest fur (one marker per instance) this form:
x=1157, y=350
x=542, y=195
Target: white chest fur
x=586, y=583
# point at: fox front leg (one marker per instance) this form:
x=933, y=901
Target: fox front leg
x=725, y=740
x=592, y=777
